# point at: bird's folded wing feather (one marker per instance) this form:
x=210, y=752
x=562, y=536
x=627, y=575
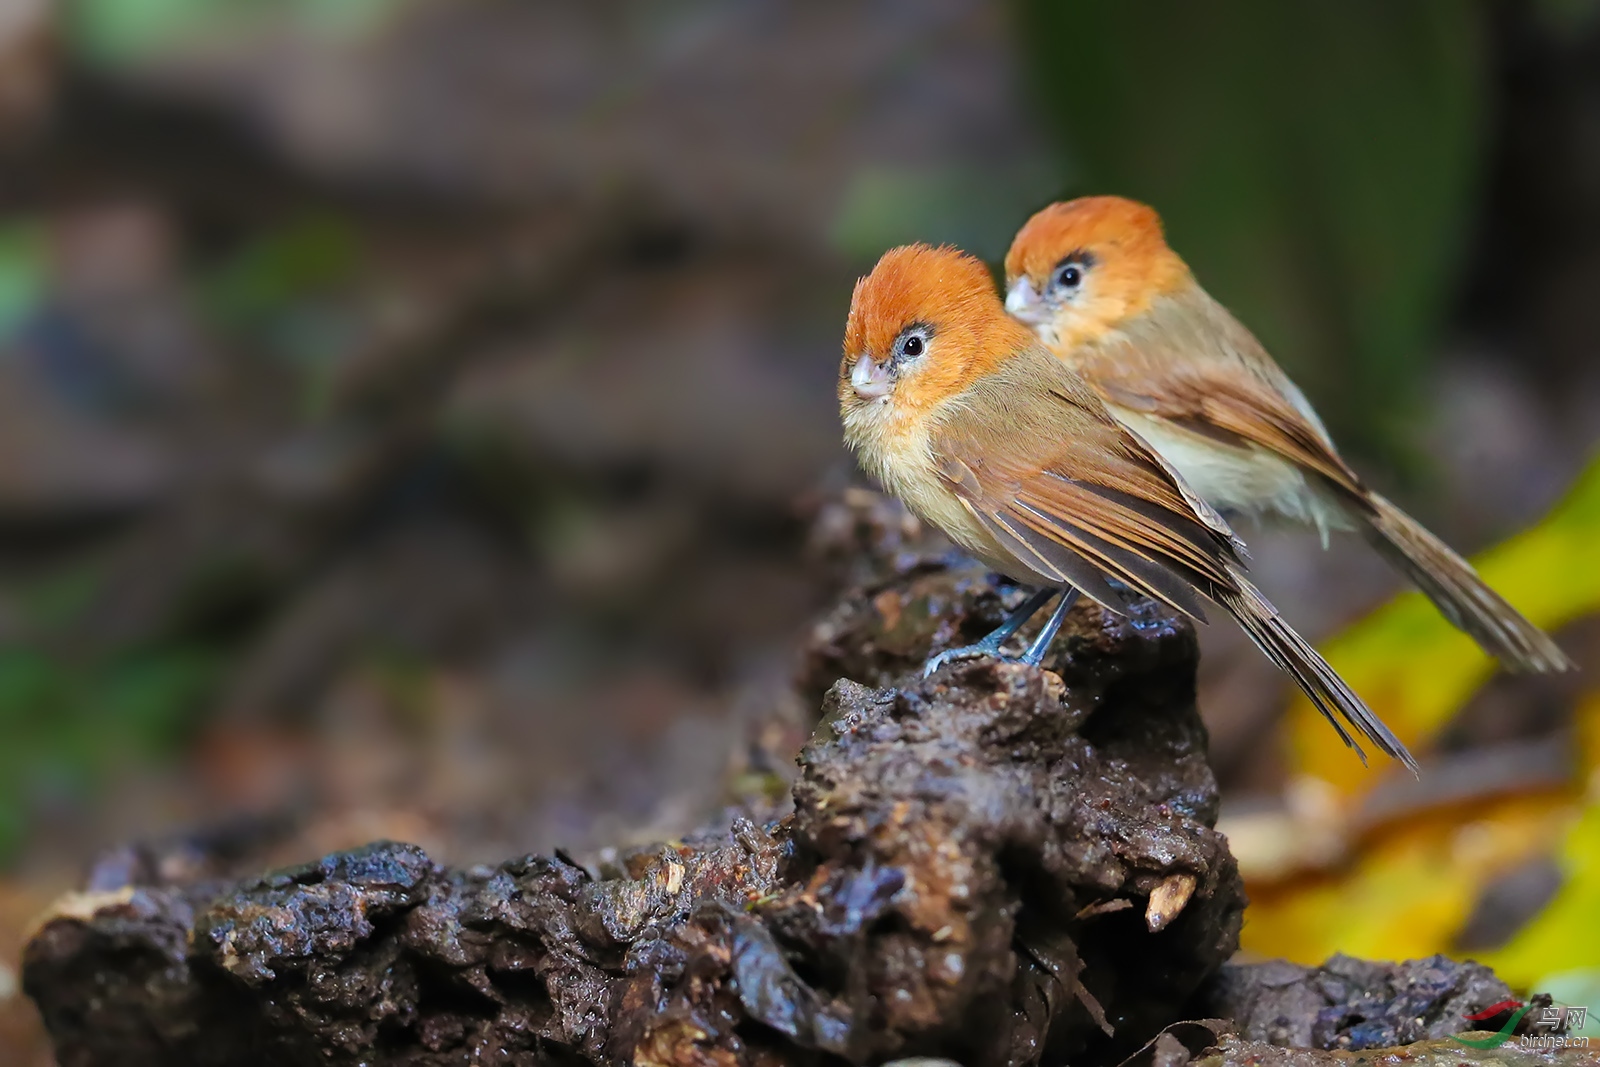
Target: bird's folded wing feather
x=1194, y=365
x=1050, y=474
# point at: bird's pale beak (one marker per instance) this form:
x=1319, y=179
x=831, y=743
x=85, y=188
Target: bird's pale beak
x=870, y=379
x=1024, y=303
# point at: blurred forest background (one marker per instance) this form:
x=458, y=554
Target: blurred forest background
x=413, y=412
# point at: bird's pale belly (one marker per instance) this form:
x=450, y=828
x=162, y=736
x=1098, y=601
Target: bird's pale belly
x=1238, y=480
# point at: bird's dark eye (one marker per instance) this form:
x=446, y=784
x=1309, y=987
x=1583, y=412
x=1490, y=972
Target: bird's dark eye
x=1069, y=272
x=912, y=342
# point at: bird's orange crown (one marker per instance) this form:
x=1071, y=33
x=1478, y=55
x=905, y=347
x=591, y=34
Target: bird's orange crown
x=1121, y=238
x=947, y=291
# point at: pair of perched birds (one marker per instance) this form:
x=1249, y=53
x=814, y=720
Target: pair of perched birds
x=1098, y=424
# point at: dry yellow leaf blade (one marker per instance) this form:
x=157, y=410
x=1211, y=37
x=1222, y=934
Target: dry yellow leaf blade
x=1416, y=670
x=1566, y=934
x=1411, y=887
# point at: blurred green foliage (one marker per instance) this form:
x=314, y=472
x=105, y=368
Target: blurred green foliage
x=281, y=290
x=1568, y=17
x=122, y=31
x=307, y=257
x=69, y=719
x=67, y=724
x=1316, y=164
x=971, y=209
x=22, y=273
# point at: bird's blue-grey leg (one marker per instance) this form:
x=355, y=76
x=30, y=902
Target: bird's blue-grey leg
x=990, y=645
x=1052, y=626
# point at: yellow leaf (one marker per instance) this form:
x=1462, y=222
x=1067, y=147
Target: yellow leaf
x=1411, y=887
x=1566, y=934
x=1416, y=670
x=1586, y=726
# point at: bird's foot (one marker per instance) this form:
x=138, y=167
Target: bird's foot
x=985, y=648
x=990, y=645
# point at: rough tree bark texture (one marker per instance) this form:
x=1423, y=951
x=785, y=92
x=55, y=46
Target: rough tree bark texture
x=1000, y=865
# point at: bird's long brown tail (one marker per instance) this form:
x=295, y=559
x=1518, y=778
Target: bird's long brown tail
x=1459, y=594
x=1329, y=692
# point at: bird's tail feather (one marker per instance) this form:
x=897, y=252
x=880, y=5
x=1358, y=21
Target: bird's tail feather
x=1459, y=594
x=1319, y=681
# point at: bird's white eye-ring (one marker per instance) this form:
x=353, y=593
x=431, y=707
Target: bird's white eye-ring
x=1069, y=273
x=912, y=343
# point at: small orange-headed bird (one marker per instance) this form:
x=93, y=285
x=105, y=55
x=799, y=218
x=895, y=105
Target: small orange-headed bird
x=959, y=411
x=1096, y=281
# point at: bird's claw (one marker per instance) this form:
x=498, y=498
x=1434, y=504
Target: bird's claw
x=952, y=655
x=990, y=646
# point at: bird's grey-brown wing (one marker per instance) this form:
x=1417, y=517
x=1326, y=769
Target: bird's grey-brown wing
x=1055, y=479
x=1190, y=362
x=1039, y=461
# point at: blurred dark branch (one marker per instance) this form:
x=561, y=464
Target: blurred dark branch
x=274, y=515
x=103, y=136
